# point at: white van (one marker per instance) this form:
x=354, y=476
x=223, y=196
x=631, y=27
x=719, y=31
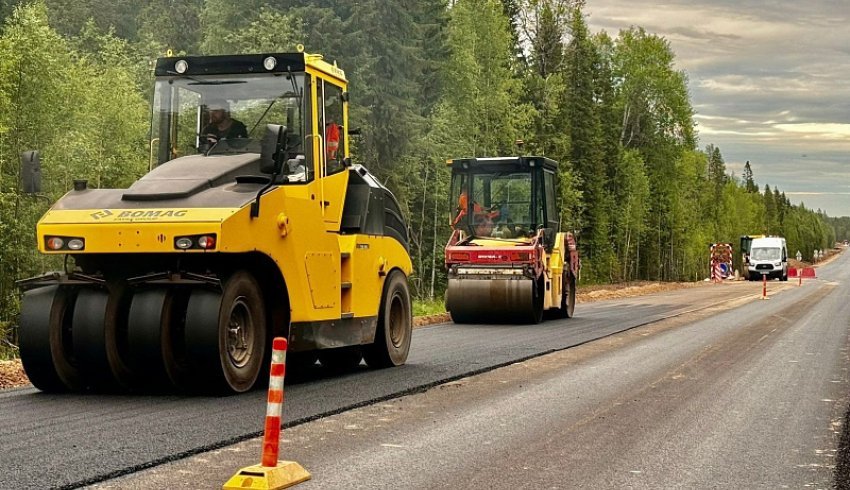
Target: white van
x=768, y=256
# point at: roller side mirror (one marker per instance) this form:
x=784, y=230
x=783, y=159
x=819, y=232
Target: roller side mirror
x=30, y=172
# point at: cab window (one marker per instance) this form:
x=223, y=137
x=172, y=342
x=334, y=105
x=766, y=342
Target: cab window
x=330, y=124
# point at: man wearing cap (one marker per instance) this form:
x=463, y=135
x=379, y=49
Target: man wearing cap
x=221, y=125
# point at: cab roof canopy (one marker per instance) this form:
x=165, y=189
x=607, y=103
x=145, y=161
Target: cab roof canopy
x=244, y=64
x=497, y=163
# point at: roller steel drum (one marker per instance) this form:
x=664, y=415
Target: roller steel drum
x=493, y=300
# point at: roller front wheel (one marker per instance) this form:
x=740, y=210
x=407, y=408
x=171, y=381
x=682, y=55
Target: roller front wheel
x=44, y=336
x=226, y=334
x=156, y=337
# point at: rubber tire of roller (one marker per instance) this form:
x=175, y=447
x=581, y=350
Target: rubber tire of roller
x=44, y=339
x=395, y=325
x=208, y=319
x=93, y=348
x=156, y=335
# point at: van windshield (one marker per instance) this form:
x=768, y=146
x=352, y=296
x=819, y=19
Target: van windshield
x=765, y=253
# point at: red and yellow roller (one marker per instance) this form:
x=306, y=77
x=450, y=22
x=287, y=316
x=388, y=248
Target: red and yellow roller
x=507, y=259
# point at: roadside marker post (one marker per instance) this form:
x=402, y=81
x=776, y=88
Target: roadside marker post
x=271, y=473
x=764, y=286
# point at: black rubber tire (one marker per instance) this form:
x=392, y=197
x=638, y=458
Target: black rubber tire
x=341, y=359
x=44, y=338
x=784, y=277
x=144, y=335
x=395, y=325
x=91, y=348
x=156, y=337
x=209, y=336
x=568, y=297
x=571, y=296
x=115, y=337
x=174, y=349
x=536, y=314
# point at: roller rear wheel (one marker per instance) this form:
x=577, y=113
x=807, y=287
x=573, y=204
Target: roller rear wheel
x=226, y=334
x=568, y=299
x=44, y=336
x=395, y=325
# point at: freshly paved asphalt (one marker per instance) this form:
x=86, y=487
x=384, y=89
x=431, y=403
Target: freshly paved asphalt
x=71, y=440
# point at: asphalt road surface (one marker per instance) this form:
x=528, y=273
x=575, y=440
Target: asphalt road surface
x=729, y=392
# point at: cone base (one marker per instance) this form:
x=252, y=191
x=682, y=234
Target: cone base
x=284, y=475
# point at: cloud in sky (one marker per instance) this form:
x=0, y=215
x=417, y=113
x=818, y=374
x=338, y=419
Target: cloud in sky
x=769, y=81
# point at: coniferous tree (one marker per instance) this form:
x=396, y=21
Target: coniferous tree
x=770, y=211
x=749, y=183
x=387, y=78
x=586, y=153
x=481, y=105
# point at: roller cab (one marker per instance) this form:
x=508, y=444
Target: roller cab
x=507, y=260
x=251, y=223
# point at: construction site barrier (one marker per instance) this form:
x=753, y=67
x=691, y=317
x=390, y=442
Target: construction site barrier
x=807, y=272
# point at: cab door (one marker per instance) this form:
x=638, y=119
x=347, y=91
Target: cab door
x=331, y=119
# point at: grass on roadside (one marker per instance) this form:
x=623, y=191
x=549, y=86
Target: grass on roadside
x=425, y=306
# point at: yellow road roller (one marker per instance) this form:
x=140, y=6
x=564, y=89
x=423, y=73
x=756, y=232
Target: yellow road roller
x=252, y=223
x=507, y=259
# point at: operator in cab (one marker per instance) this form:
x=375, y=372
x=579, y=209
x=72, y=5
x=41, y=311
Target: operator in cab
x=221, y=126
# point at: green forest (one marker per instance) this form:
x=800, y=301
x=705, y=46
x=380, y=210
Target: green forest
x=430, y=80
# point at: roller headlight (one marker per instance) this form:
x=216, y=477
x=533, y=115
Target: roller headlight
x=57, y=243
x=76, y=244
x=195, y=242
x=183, y=243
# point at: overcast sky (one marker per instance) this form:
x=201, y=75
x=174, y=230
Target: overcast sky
x=769, y=81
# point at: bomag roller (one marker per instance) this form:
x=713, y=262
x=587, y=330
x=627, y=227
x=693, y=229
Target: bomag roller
x=185, y=277
x=507, y=261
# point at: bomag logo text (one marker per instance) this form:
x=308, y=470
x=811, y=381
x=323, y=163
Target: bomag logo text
x=151, y=215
